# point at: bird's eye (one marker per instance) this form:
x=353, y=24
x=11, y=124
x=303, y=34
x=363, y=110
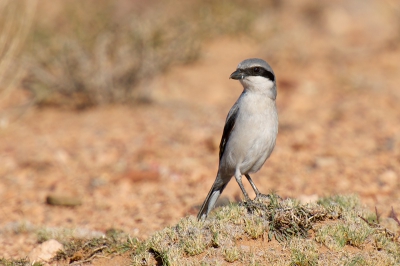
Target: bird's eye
x=256, y=69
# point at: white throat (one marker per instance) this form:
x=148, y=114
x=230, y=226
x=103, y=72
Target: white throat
x=259, y=84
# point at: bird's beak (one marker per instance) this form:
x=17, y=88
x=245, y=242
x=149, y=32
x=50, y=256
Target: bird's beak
x=238, y=74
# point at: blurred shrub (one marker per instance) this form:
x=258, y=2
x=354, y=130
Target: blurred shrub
x=15, y=21
x=96, y=52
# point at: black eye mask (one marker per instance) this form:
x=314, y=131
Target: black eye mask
x=258, y=71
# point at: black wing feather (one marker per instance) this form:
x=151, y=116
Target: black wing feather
x=228, y=128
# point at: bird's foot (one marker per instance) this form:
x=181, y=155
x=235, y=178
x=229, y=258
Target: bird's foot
x=261, y=196
x=268, y=196
x=255, y=205
x=267, y=199
x=261, y=201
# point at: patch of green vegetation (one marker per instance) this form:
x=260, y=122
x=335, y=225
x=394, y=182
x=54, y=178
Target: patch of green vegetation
x=338, y=204
x=357, y=260
x=303, y=252
x=233, y=214
x=306, y=234
x=338, y=235
x=231, y=254
x=17, y=262
x=255, y=227
x=366, y=259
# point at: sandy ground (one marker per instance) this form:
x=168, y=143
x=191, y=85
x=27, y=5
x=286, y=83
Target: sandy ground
x=144, y=167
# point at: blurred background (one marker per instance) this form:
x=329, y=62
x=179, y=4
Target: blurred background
x=111, y=112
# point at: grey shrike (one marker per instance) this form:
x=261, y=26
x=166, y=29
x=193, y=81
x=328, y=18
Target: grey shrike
x=250, y=130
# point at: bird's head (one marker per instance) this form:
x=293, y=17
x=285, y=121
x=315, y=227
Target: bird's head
x=256, y=75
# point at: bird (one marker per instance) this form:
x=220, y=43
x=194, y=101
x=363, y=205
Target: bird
x=250, y=130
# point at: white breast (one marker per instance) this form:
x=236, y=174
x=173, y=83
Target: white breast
x=254, y=134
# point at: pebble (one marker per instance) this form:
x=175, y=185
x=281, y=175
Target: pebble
x=45, y=251
x=61, y=200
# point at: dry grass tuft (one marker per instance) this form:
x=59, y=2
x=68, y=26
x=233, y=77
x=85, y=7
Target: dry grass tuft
x=99, y=57
x=285, y=218
x=337, y=236
x=231, y=254
x=303, y=252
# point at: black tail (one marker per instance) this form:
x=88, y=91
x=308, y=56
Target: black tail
x=211, y=198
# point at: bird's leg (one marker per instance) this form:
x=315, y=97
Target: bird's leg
x=238, y=177
x=258, y=193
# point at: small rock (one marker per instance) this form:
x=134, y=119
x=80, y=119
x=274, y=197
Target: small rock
x=45, y=251
x=388, y=178
x=322, y=162
x=61, y=200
